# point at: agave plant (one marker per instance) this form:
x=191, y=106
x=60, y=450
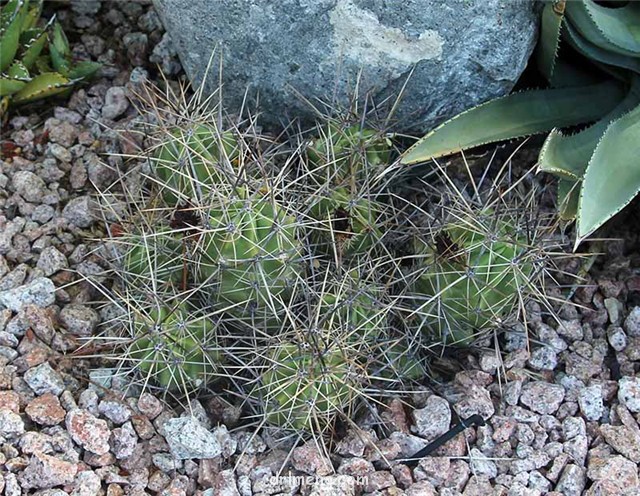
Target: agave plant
x=598, y=167
x=25, y=74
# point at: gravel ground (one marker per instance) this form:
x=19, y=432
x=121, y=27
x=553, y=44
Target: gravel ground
x=562, y=411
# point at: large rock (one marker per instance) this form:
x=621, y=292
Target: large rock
x=462, y=52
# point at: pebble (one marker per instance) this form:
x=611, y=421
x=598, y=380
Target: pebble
x=489, y=362
x=61, y=132
x=590, y=402
x=226, y=484
x=356, y=467
x=43, y=214
x=45, y=471
x=481, y=465
x=149, y=406
x=542, y=397
x=434, y=469
x=87, y=483
x=86, y=7
x=614, y=468
x=165, y=54
x=51, y=261
x=623, y=439
x=632, y=322
x=377, y=481
x=334, y=485
x=421, y=488
x=11, y=424
x=40, y=292
x=60, y=152
x=434, y=419
x=571, y=329
x=617, y=338
x=116, y=102
x=43, y=379
x=123, y=441
x=629, y=393
x=475, y=400
x=577, y=448
x=80, y=320
x=8, y=231
x=28, y=185
x=477, y=486
x=187, y=438
x=136, y=44
x=308, y=459
x=45, y=410
x=117, y=412
x=572, y=481
x=614, y=309
x=88, y=431
x=78, y=211
x=543, y=358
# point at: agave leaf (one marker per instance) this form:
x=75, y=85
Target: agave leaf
x=41, y=86
x=568, y=156
x=31, y=19
x=616, y=30
x=17, y=70
x=59, y=51
x=42, y=64
x=34, y=48
x=10, y=37
x=6, y=14
x=612, y=178
x=568, y=75
x=547, y=47
x=84, y=69
x=516, y=115
x=620, y=25
x=567, y=198
x=9, y=85
x=594, y=52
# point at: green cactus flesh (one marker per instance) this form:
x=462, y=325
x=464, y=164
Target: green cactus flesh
x=356, y=312
x=353, y=224
x=155, y=259
x=304, y=389
x=171, y=347
x=477, y=280
x=346, y=153
x=250, y=253
x=189, y=163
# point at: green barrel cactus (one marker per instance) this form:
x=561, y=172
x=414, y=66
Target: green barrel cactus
x=250, y=254
x=315, y=372
x=173, y=348
x=304, y=388
x=474, y=273
x=346, y=154
x=351, y=224
x=154, y=260
x=341, y=163
x=191, y=161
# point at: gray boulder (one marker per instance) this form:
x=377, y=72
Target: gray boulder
x=455, y=53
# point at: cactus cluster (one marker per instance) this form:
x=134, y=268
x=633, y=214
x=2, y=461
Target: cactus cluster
x=299, y=280
x=26, y=74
